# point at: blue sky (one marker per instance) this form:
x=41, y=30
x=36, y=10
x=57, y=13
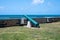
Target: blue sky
x=30, y=7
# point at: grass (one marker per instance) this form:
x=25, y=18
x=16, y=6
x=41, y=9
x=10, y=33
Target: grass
x=47, y=31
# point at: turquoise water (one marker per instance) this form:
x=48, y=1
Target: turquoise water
x=3, y=17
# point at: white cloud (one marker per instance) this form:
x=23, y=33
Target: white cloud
x=37, y=1
x=1, y=8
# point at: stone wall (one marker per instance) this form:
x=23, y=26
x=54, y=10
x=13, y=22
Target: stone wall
x=11, y=22
x=17, y=22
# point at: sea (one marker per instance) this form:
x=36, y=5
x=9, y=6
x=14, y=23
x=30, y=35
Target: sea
x=3, y=17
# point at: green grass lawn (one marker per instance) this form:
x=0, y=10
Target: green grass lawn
x=47, y=31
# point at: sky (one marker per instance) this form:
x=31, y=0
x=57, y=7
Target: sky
x=29, y=7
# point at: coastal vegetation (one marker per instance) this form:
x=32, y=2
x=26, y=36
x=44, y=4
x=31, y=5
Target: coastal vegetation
x=47, y=31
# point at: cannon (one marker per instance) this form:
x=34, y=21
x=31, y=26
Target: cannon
x=33, y=22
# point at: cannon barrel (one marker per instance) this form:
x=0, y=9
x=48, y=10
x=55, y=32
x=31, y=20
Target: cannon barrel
x=36, y=24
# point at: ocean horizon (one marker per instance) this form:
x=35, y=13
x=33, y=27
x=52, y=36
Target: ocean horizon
x=31, y=16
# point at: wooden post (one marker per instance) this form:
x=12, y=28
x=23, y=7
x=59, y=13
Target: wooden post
x=28, y=24
x=22, y=20
x=47, y=19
